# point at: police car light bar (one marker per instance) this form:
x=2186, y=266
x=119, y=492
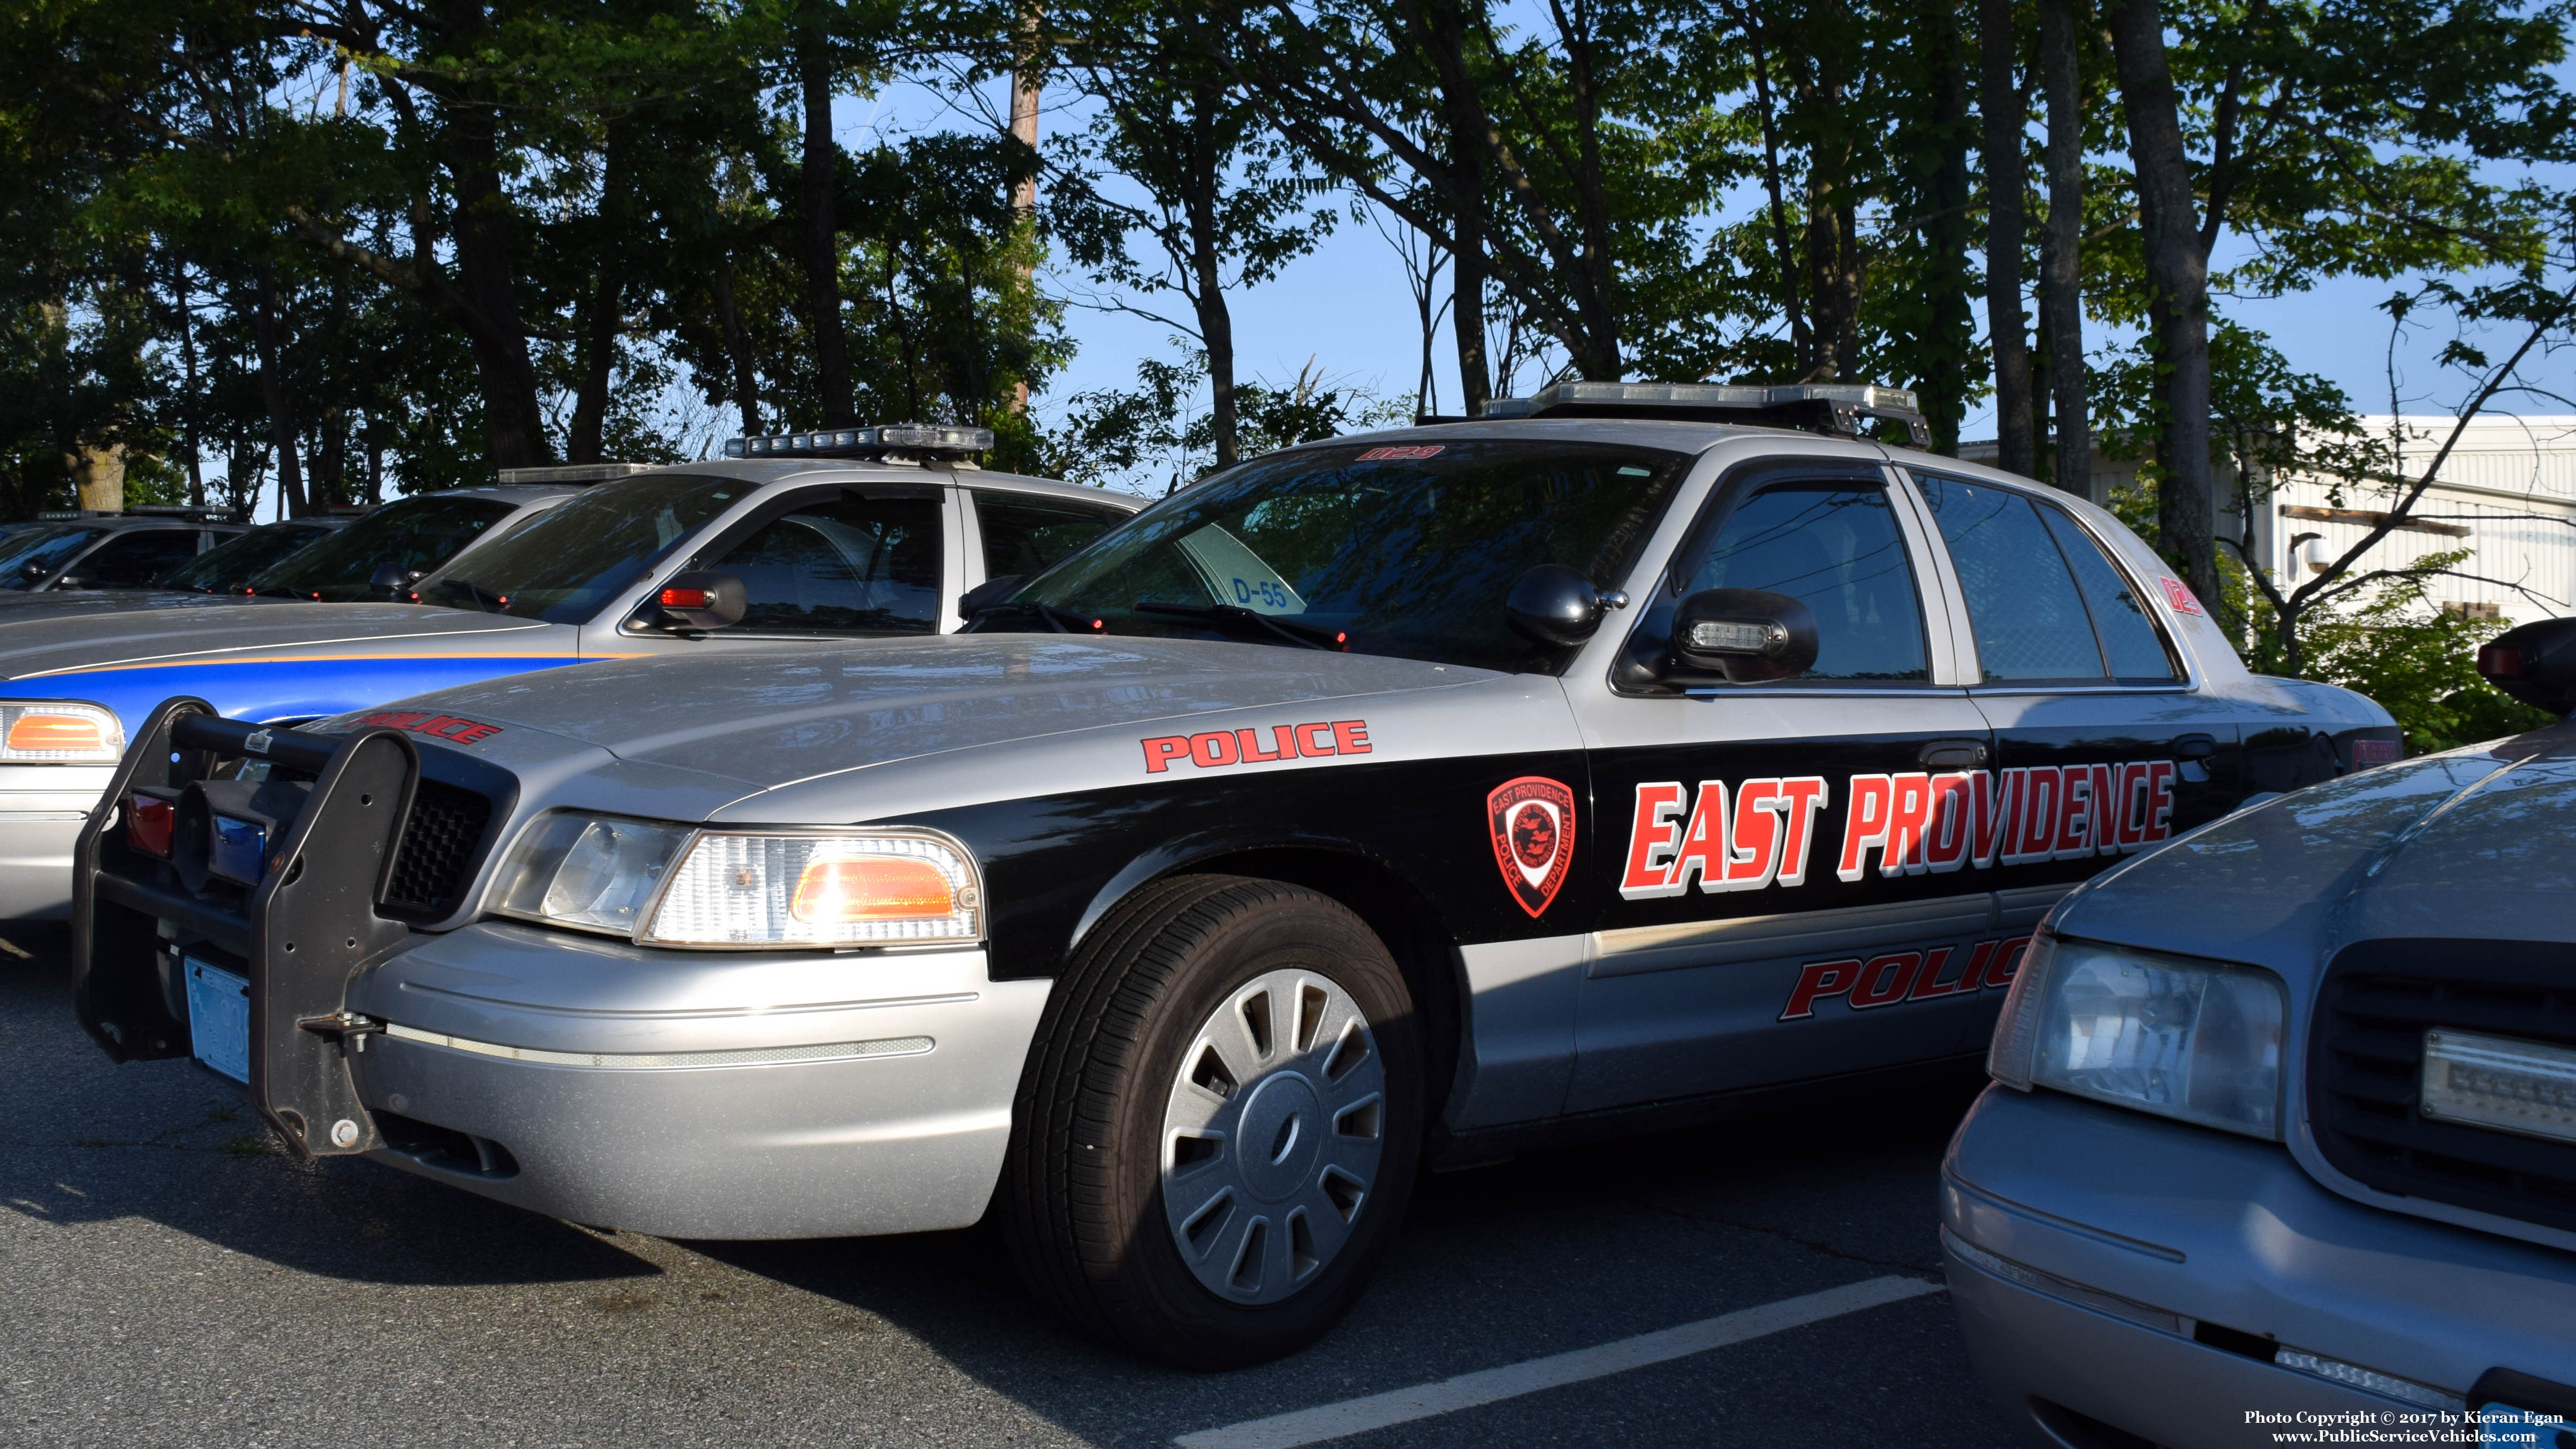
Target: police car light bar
x=1835, y=407
x=894, y=438
x=573, y=472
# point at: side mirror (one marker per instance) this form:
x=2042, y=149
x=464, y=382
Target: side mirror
x=1748, y=635
x=35, y=572
x=989, y=594
x=1553, y=604
x=704, y=599
x=391, y=580
x=2535, y=663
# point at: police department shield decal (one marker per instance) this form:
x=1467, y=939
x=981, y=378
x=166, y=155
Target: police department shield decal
x=1532, y=819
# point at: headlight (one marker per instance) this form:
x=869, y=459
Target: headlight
x=60, y=734
x=2193, y=1040
x=677, y=885
x=595, y=872
x=861, y=889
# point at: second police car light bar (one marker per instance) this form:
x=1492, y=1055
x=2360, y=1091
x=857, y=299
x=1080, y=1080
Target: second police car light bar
x=1835, y=407
x=893, y=438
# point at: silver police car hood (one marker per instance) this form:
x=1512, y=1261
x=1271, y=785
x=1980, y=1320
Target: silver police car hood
x=146, y=629
x=812, y=733
x=2478, y=842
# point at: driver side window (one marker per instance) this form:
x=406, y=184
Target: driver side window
x=1835, y=547
x=846, y=565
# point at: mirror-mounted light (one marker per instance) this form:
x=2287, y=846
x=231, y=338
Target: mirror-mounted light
x=1746, y=635
x=703, y=599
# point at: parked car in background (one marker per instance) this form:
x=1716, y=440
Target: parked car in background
x=2283, y=1135
x=1449, y=791
x=106, y=551
x=502, y=580
x=225, y=569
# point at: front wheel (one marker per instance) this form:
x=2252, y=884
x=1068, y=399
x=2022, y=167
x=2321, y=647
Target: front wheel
x=1218, y=1131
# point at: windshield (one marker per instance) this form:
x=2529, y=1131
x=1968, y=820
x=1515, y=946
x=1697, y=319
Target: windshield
x=564, y=566
x=231, y=564
x=1408, y=551
x=414, y=535
x=31, y=558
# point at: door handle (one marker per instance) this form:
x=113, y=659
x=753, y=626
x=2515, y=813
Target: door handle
x=2194, y=747
x=1953, y=754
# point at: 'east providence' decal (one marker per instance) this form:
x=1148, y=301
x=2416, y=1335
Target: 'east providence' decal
x=1532, y=820
x=1912, y=824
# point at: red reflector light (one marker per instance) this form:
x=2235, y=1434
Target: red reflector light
x=2500, y=661
x=686, y=599
x=149, y=824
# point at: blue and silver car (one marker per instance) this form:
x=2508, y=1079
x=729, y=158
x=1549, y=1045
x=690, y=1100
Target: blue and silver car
x=881, y=541
x=2283, y=1135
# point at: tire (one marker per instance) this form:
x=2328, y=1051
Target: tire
x=1152, y=1072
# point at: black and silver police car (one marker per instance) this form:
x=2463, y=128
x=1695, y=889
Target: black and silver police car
x=1621, y=758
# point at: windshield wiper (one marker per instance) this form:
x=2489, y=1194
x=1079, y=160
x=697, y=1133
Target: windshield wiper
x=1062, y=621
x=1305, y=636
x=483, y=599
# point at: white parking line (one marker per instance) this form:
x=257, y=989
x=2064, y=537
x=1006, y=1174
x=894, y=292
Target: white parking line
x=1486, y=1386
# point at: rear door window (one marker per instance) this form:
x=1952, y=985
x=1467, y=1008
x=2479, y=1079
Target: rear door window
x=2046, y=603
x=1835, y=547
x=2131, y=643
x=134, y=559
x=2030, y=622
x=846, y=565
x=1025, y=535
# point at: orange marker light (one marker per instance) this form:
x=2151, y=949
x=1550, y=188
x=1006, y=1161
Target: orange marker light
x=55, y=732
x=872, y=888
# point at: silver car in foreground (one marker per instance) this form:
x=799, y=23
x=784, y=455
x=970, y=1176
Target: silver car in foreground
x=2283, y=1140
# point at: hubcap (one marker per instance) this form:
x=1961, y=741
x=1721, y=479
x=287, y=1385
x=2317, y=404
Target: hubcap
x=1272, y=1134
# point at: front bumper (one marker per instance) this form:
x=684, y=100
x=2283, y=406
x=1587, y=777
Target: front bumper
x=697, y=1094
x=2176, y=1283
x=42, y=808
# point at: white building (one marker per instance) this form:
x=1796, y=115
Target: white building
x=2507, y=493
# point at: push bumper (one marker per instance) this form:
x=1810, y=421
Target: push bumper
x=42, y=808
x=696, y=1094
x=2185, y=1287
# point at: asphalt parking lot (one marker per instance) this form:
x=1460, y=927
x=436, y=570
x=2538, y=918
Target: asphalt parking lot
x=167, y=1279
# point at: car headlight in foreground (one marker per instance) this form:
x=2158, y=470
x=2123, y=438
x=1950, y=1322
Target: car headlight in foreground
x=2195, y=1040
x=677, y=885
x=59, y=734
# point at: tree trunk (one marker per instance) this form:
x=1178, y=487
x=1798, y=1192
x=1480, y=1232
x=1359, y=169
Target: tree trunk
x=2061, y=287
x=1024, y=192
x=188, y=418
x=1463, y=118
x=1947, y=234
x=487, y=268
x=822, y=239
x=2178, y=275
x=98, y=476
x=1200, y=179
x=2007, y=114
x=603, y=309
x=272, y=393
x=746, y=376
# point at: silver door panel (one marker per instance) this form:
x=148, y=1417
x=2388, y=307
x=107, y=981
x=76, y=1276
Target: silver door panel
x=1521, y=1008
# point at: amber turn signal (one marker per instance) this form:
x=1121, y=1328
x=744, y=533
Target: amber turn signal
x=872, y=888
x=55, y=732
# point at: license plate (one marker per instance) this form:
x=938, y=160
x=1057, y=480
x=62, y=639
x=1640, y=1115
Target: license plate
x=219, y=1018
